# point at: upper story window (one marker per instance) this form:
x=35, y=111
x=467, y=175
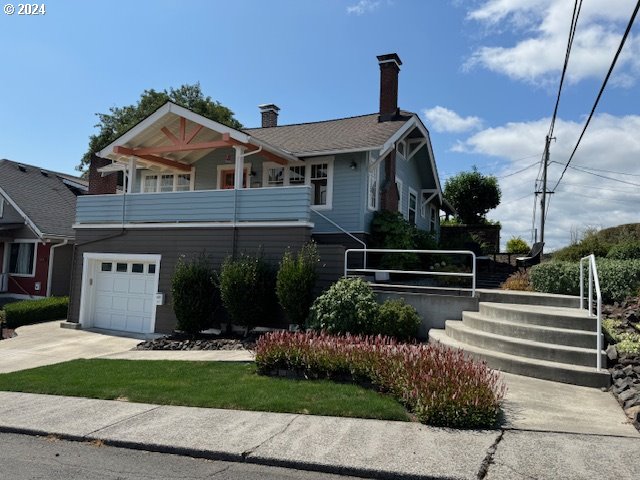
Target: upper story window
x=373, y=183
x=166, y=182
x=413, y=203
x=22, y=258
x=317, y=173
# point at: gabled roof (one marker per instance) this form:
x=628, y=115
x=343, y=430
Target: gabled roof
x=42, y=196
x=364, y=132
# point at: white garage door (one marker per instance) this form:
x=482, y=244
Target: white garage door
x=123, y=295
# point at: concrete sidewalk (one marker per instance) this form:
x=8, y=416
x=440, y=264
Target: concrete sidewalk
x=368, y=448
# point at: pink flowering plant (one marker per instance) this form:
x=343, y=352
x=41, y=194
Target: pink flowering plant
x=441, y=387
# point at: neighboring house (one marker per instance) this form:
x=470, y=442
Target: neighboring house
x=192, y=185
x=37, y=210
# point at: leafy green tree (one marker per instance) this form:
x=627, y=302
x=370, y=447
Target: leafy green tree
x=517, y=245
x=472, y=194
x=120, y=119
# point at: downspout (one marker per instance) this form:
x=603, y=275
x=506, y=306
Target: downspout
x=51, y=258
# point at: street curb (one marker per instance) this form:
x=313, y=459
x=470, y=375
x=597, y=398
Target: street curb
x=227, y=457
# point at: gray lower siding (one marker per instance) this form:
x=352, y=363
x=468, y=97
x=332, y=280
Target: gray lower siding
x=173, y=243
x=61, y=273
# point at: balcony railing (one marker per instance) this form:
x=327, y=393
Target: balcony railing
x=278, y=204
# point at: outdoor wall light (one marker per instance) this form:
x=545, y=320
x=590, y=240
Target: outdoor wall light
x=353, y=165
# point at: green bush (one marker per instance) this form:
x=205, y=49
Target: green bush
x=618, y=278
x=397, y=319
x=629, y=250
x=295, y=282
x=348, y=306
x=517, y=245
x=247, y=288
x=195, y=295
x=591, y=243
x=35, y=311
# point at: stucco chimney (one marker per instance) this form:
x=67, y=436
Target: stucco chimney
x=269, y=113
x=389, y=69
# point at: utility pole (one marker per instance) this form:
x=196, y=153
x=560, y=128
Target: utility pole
x=543, y=201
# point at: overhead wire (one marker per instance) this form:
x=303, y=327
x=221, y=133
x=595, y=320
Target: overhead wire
x=604, y=84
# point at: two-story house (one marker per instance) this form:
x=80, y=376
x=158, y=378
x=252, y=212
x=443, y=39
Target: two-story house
x=193, y=185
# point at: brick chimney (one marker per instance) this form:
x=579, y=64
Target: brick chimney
x=99, y=185
x=389, y=69
x=269, y=113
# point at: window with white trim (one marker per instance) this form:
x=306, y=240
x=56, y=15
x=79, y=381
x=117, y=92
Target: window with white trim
x=413, y=203
x=318, y=173
x=166, y=182
x=433, y=222
x=22, y=258
x=373, y=184
x=399, y=186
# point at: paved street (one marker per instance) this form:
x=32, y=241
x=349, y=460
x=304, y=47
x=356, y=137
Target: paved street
x=24, y=457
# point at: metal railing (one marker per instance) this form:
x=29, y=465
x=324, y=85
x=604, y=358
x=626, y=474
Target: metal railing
x=363, y=271
x=594, y=281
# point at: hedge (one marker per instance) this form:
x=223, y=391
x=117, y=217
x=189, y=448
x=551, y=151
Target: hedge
x=619, y=279
x=35, y=311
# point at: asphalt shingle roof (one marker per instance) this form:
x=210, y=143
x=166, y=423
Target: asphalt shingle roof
x=43, y=198
x=361, y=132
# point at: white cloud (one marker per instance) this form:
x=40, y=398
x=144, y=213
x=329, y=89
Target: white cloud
x=363, y=6
x=542, y=28
x=444, y=120
x=582, y=199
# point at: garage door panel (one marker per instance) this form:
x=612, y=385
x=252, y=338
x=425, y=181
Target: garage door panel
x=124, y=300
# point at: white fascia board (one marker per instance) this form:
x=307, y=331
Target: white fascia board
x=276, y=151
x=391, y=143
x=27, y=220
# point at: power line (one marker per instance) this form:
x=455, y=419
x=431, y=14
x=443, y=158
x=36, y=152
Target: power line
x=519, y=171
x=515, y=200
x=598, y=175
x=604, y=84
x=625, y=192
x=606, y=171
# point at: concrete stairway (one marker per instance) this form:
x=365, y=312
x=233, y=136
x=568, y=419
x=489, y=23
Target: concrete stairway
x=536, y=335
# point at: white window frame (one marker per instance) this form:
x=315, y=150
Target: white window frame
x=400, y=187
x=175, y=181
x=7, y=262
x=415, y=210
x=373, y=172
x=307, y=177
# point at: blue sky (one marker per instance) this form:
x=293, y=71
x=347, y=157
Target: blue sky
x=482, y=74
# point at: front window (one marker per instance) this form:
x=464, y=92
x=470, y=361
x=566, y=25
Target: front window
x=296, y=175
x=413, y=202
x=275, y=176
x=319, y=183
x=22, y=258
x=372, y=187
x=166, y=182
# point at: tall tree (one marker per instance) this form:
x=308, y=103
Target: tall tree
x=472, y=194
x=120, y=119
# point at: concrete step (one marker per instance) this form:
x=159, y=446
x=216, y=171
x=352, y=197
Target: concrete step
x=530, y=367
x=536, y=333
x=522, y=347
x=559, y=317
x=528, y=298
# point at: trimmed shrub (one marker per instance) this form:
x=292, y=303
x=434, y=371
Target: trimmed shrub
x=625, y=251
x=348, y=306
x=247, y=288
x=441, y=387
x=195, y=295
x=618, y=278
x=397, y=319
x=295, y=282
x=517, y=281
x=591, y=243
x=29, y=312
x=517, y=245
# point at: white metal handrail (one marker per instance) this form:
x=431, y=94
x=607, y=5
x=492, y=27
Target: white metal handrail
x=365, y=270
x=593, y=281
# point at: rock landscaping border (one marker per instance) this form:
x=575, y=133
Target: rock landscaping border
x=204, y=343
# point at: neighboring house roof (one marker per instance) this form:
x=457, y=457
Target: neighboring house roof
x=42, y=196
x=364, y=132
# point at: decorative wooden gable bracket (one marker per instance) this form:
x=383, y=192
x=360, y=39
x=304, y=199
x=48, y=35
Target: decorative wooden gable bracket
x=182, y=143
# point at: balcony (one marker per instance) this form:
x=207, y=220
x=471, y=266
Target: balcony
x=278, y=204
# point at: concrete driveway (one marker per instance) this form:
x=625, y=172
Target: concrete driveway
x=47, y=343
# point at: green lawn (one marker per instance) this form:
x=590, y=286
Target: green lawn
x=202, y=384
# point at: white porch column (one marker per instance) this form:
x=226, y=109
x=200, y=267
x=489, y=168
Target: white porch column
x=131, y=174
x=239, y=173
